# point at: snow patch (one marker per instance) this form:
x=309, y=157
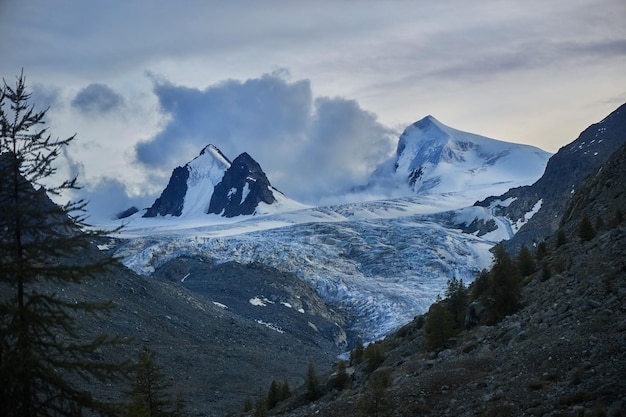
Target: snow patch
x=260, y=302
x=527, y=216
x=245, y=192
x=270, y=326
x=220, y=305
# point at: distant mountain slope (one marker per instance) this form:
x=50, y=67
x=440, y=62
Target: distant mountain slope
x=564, y=173
x=434, y=158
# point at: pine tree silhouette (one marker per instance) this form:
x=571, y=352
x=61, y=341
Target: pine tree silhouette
x=44, y=361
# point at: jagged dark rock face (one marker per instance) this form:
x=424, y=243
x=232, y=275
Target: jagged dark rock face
x=241, y=190
x=564, y=173
x=173, y=197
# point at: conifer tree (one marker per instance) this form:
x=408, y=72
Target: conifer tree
x=377, y=401
x=342, y=378
x=456, y=300
x=480, y=285
x=285, y=391
x=504, y=285
x=542, y=250
x=150, y=392
x=439, y=327
x=356, y=355
x=524, y=261
x=44, y=362
x=260, y=407
x=313, y=390
x=586, y=231
x=374, y=354
x=273, y=395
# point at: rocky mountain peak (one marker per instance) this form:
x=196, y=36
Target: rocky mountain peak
x=242, y=188
x=190, y=187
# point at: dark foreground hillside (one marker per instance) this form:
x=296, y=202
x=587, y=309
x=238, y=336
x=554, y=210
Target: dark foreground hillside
x=213, y=356
x=562, y=354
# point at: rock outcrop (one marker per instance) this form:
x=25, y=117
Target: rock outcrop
x=242, y=188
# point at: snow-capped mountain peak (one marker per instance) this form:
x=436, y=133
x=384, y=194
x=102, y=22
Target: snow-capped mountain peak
x=212, y=184
x=433, y=157
x=205, y=172
x=190, y=187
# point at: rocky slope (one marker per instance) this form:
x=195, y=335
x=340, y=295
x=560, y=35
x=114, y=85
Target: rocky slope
x=561, y=354
x=563, y=175
x=214, y=354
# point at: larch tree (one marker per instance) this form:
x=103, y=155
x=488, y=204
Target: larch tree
x=150, y=390
x=45, y=363
x=456, y=300
x=504, y=285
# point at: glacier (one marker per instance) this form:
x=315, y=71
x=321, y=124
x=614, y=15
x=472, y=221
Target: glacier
x=384, y=261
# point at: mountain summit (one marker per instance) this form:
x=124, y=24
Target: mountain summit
x=243, y=186
x=211, y=184
x=191, y=186
x=432, y=157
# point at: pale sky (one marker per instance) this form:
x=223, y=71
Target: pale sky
x=316, y=91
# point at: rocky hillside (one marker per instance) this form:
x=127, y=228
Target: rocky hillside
x=564, y=173
x=215, y=355
x=561, y=354
x=262, y=294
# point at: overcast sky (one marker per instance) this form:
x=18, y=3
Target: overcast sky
x=316, y=91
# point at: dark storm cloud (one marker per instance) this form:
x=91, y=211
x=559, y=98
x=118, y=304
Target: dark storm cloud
x=307, y=147
x=97, y=98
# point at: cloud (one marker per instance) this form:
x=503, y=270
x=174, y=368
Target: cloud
x=46, y=96
x=309, y=147
x=109, y=197
x=97, y=98
x=344, y=146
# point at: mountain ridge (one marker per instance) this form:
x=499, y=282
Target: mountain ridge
x=563, y=175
